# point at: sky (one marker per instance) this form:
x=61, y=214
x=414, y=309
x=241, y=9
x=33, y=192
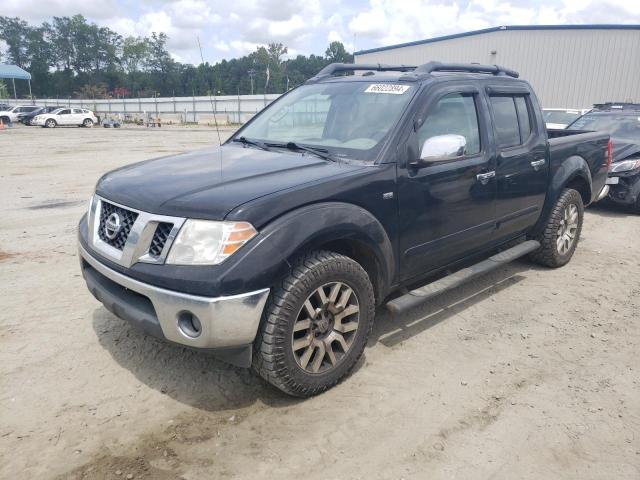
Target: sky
x=229, y=29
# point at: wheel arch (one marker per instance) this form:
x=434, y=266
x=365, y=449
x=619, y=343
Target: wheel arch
x=572, y=173
x=339, y=227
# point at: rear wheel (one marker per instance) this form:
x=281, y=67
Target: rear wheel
x=51, y=123
x=87, y=123
x=560, y=237
x=316, y=325
x=5, y=120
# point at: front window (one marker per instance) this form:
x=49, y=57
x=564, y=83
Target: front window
x=348, y=119
x=618, y=126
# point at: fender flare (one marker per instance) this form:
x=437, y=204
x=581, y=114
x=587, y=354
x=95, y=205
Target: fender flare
x=574, y=167
x=311, y=226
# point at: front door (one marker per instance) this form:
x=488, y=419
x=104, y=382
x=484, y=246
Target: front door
x=522, y=168
x=447, y=208
x=64, y=117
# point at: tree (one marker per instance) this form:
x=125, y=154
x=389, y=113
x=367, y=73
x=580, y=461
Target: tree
x=14, y=32
x=135, y=51
x=337, y=53
x=71, y=56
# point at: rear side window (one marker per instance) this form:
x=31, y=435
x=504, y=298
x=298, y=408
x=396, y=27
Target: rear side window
x=512, y=120
x=454, y=113
x=523, y=118
x=505, y=119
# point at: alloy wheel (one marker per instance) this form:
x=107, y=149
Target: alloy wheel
x=325, y=327
x=567, y=229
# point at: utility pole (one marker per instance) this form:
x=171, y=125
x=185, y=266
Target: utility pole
x=252, y=73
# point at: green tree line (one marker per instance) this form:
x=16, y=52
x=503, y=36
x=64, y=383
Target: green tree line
x=71, y=57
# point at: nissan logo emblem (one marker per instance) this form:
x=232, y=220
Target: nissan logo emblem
x=112, y=226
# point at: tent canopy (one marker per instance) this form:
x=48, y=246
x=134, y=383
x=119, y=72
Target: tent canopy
x=14, y=72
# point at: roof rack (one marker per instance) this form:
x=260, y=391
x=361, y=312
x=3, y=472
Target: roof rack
x=430, y=67
x=609, y=106
x=335, y=68
x=413, y=72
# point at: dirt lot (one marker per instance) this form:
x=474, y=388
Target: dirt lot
x=527, y=373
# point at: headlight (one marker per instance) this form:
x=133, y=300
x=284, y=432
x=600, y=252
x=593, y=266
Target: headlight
x=625, y=166
x=203, y=242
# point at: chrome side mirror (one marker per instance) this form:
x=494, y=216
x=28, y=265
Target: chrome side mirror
x=441, y=148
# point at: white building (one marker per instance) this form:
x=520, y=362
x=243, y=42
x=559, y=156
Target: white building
x=570, y=66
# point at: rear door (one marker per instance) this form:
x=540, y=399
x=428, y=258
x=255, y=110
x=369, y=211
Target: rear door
x=446, y=209
x=78, y=116
x=522, y=166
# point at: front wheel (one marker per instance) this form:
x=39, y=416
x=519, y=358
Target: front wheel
x=560, y=236
x=51, y=123
x=87, y=123
x=316, y=324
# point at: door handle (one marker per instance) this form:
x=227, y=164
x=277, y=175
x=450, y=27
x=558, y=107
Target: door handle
x=484, y=178
x=536, y=164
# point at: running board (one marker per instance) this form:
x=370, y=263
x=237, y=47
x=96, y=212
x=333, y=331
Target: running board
x=421, y=295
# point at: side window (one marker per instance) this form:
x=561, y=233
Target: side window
x=77, y=110
x=523, y=118
x=456, y=114
x=505, y=121
x=65, y=112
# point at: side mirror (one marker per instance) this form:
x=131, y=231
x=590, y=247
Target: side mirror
x=441, y=148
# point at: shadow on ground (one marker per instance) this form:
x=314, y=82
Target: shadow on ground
x=201, y=381
x=611, y=210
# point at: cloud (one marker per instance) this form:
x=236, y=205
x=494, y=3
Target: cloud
x=229, y=29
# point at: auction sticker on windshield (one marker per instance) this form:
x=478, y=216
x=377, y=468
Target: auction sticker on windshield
x=387, y=88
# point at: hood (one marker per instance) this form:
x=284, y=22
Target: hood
x=623, y=149
x=210, y=183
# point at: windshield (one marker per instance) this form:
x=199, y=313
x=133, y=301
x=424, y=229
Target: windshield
x=562, y=117
x=57, y=111
x=348, y=119
x=618, y=126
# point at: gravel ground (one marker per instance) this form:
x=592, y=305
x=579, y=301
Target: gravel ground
x=527, y=373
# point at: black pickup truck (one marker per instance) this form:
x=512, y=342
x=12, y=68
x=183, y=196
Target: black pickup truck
x=357, y=189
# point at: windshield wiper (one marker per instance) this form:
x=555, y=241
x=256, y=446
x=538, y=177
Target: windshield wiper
x=320, y=152
x=254, y=143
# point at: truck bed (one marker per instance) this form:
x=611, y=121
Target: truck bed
x=566, y=145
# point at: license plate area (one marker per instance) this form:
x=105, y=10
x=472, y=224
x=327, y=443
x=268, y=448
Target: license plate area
x=613, y=180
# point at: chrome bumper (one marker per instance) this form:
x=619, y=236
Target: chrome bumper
x=224, y=321
x=603, y=193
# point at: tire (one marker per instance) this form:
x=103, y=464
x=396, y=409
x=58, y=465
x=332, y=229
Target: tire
x=87, y=123
x=5, y=120
x=561, y=234
x=310, y=369
x=51, y=123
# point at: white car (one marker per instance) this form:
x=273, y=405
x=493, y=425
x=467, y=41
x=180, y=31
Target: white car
x=80, y=117
x=13, y=114
x=560, y=118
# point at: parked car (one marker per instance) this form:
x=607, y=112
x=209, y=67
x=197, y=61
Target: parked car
x=13, y=114
x=274, y=249
x=622, y=122
x=80, y=117
x=28, y=117
x=559, y=118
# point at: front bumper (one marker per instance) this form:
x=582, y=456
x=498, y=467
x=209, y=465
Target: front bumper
x=627, y=189
x=220, y=322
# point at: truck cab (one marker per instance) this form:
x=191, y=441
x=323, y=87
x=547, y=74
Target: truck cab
x=358, y=189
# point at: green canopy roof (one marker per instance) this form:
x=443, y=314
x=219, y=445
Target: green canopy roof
x=13, y=71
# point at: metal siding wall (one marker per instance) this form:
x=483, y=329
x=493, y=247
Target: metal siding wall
x=567, y=68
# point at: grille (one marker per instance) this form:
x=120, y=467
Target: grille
x=160, y=238
x=127, y=219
